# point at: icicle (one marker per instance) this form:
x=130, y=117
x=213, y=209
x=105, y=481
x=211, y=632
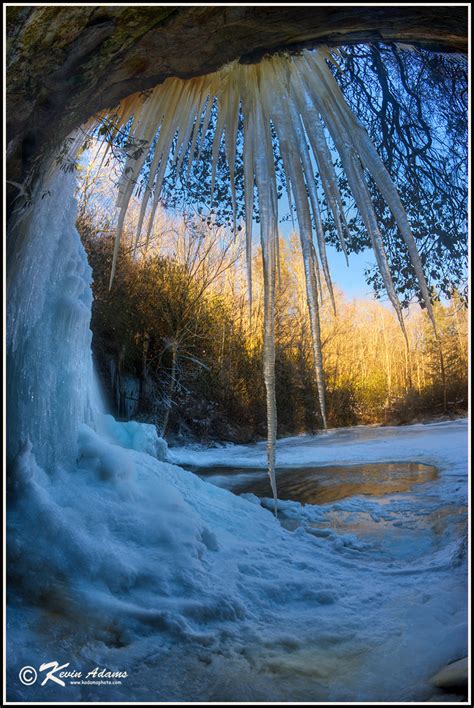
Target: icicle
x=288, y=128
x=295, y=123
x=375, y=166
x=145, y=200
x=249, y=151
x=317, y=277
x=168, y=129
x=196, y=129
x=266, y=186
x=361, y=194
x=205, y=127
x=293, y=170
x=230, y=140
x=184, y=130
x=290, y=203
x=388, y=190
x=315, y=132
x=144, y=133
x=216, y=144
x=300, y=98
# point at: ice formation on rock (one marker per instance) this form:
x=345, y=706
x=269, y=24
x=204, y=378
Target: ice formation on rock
x=51, y=387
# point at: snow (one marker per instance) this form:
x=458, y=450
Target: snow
x=141, y=566
x=133, y=436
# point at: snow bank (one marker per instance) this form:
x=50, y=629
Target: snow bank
x=132, y=435
x=361, y=443
x=142, y=566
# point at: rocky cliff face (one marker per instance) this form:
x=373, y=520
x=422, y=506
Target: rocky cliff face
x=66, y=63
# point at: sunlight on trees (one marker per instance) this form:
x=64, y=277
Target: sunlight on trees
x=180, y=321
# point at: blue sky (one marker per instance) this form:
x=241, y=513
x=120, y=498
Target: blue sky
x=349, y=279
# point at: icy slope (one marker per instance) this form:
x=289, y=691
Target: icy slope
x=141, y=566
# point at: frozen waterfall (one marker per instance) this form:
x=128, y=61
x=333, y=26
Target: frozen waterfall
x=51, y=387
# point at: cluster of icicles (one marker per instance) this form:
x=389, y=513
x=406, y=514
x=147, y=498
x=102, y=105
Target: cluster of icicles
x=295, y=96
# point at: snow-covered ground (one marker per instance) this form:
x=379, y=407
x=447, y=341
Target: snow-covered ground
x=140, y=566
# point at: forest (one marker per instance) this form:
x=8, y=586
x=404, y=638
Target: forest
x=178, y=344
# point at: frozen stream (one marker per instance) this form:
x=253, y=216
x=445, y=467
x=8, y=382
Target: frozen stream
x=422, y=526
x=202, y=595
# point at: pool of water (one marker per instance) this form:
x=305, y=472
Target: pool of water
x=321, y=485
x=412, y=521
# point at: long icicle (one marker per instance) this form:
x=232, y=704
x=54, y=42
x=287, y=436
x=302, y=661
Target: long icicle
x=293, y=120
x=293, y=168
x=354, y=173
x=249, y=152
x=315, y=132
x=381, y=177
x=266, y=186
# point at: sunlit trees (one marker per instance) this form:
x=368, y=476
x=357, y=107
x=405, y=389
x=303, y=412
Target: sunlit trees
x=180, y=322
